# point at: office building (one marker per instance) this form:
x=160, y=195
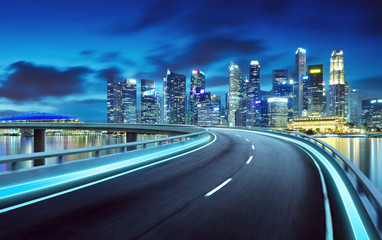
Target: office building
x=316, y=79
x=148, y=102
x=372, y=113
x=208, y=114
x=198, y=86
x=129, y=101
x=252, y=91
x=277, y=112
x=175, y=98
x=336, y=96
x=279, y=77
x=158, y=103
x=298, y=89
x=353, y=107
x=236, y=90
x=286, y=91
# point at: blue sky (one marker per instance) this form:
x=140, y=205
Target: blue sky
x=55, y=55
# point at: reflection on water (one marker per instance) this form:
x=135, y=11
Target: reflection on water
x=365, y=153
x=10, y=145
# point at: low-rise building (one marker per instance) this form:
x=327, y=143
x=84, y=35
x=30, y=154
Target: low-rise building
x=319, y=123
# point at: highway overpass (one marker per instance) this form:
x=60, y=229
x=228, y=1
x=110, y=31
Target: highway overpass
x=237, y=184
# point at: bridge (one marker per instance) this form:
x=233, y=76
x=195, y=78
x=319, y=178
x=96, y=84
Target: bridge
x=216, y=183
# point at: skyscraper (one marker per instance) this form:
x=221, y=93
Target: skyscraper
x=174, y=96
x=353, y=107
x=129, y=101
x=279, y=76
x=121, y=101
x=236, y=89
x=148, y=102
x=277, y=112
x=337, y=84
x=198, y=85
x=316, y=79
x=298, y=89
x=252, y=89
x=158, y=103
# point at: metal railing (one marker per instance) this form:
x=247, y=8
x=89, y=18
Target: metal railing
x=15, y=160
x=362, y=184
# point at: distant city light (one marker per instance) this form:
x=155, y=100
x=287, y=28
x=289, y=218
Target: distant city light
x=202, y=91
x=290, y=81
x=254, y=62
x=216, y=109
x=284, y=82
x=195, y=72
x=373, y=101
x=301, y=50
x=285, y=100
x=305, y=77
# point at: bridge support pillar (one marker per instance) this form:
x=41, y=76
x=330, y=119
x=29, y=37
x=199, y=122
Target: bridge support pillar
x=39, y=145
x=131, y=137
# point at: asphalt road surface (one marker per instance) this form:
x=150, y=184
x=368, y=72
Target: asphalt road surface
x=243, y=186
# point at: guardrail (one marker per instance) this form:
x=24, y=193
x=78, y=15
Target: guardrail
x=15, y=160
x=362, y=184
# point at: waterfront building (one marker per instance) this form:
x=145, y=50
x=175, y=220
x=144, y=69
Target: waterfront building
x=316, y=79
x=298, y=89
x=175, y=98
x=208, y=114
x=148, y=102
x=129, y=101
x=353, y=107
x=41, y=117
x=252, y=91
x=236, y=93
x=277, y=112
x=158, y=103
x=318, y=123
x=198, y=86
x=279, y=78
x=336, y=99
x=372, y=113
x=121, y=101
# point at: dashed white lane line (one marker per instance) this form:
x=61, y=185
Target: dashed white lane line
x=218, y=187
x=238, y=135
x=247, y=140
x=249, y=160
x=253, y=147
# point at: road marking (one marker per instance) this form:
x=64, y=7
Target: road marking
x=253, y=147
x=249, y=160
x=238, y=135
x=218, y=187
x=247, y=140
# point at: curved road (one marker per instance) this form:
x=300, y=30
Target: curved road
x=243, y=186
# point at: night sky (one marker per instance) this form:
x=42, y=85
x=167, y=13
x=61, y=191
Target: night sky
x=55, y=55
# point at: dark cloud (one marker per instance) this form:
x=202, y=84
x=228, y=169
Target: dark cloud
x=113, y=57
x=27, y=81
x=10, y=112
x=89, y=101
x=216, y=81
x=203, y=52
x=87, y=53
x=104, y=74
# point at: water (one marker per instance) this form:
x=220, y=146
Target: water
x=365, y=153
x=10, y=145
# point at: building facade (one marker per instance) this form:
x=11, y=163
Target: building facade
x=279, y=77
x=252, y=91
x=236, y=90
x=299, y=73
x=317, y=85
x=319, y=123
x=175, y=98
x=148, y=102
x=198, y=85
x=277, y=112
x=336, y=96
x=353, y=107
x=129, y=101
x=372, y=113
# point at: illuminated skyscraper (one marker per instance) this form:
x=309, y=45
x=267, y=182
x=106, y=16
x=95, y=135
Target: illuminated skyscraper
x=198, y=86
x=252, y=89
x=353, y=107
x=236, y=89
x=174, y=97
x=298, y=89
x=148, y=102
x=337, y=84
x=121, y=101
x=129, y=101
x=317, y=85
x=279, y=76
x=277, y=112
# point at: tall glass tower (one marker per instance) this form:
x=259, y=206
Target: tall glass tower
x=298, y=88
x=252, y=89
x=337, y=84
x=148, y=102
x=317, y=85
x=198, y=85
x=236, y=89
x=129, y=101
x=175, y=98
x=279, y=78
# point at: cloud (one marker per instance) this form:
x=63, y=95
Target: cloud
x=104, y=74
x=87, y=53
x=27, y=81
x=112, y=57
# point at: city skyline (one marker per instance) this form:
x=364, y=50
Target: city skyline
x=56, y=56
